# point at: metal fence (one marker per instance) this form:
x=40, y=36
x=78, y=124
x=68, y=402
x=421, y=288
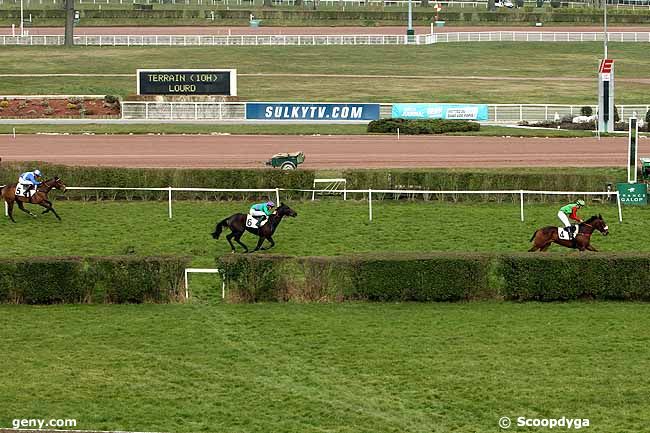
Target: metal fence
x=292, y=40
x=497, y=113
x=302, y=40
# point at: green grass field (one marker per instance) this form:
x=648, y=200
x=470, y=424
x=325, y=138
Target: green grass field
x=331, y=227
x=327, y=368
x=375, y=73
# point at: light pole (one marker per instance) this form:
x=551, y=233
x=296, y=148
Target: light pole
x=409, y=31
x=605, y=27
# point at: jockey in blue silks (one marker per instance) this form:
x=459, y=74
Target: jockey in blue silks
x=261, y=211
x=30, y=180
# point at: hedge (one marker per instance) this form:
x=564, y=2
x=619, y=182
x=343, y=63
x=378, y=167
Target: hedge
x=49, y=280
x=415, y=277
x=484, y=179
x=161, y=178
x=581, y=276
x=416, y=127
x=437, y=277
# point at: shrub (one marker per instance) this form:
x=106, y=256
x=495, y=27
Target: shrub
x=111, y=99
x=389, y=277
x=48, y=111
x=22, y=105
x=434, y=126
x=75, y=100
x=45, y=103
x=99, y=280
x=71, y=106
x=4, y=103
x=617, y=117
x=647, y=117
x=586, y=111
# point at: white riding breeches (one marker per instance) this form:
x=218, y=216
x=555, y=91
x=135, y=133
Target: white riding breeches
x=24, y=181
x=564, y=218
x=256, y=213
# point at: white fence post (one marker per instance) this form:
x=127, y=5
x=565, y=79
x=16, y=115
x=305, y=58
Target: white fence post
x=6, y=209
x=521, y=202
x=170, y=202
x=618, y=203
x=370, y=204
x=277, y=196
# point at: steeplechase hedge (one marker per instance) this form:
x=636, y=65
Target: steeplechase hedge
x=544, y=179
x=160, y=178
x=437, y=277
x=49, y=280
x=417, y=127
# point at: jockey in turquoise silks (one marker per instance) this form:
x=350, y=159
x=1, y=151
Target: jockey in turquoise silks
x=261, y=212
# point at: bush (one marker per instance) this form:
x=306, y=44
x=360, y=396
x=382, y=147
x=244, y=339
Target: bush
x=585, y=276
x=647, y=117
x=617, y=117
x=162, y=178
x=586, y=111
x=4, y=103
x=415, y=127
x=75, y=100
x=71, y=106
x=93, y=280
x=111, y=99
x=397, y=277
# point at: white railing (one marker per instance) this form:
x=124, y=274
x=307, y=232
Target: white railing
x=520, y=192
x=202, y=271
x=497, y=113
x=310, y=40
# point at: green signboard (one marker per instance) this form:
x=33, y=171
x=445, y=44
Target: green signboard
x=633, y=193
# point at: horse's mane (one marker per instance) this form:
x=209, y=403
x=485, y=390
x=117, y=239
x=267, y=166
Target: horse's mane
x=592, y=218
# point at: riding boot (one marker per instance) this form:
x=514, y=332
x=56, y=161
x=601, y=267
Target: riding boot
x=570, y=230
x=260, y=221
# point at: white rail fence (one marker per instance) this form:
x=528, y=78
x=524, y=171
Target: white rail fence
x=521, y=193
x=503, y=113
x=302, y=40
x=202, y=271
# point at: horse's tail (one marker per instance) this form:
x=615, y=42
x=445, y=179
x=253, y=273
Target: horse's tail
x=533, y=236
x=219, y=228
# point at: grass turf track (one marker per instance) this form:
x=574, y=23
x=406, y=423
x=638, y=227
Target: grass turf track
x=328, y=227
x=326, y=368
x=390, y=66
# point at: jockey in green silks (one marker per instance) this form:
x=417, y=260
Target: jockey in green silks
x=570, y=212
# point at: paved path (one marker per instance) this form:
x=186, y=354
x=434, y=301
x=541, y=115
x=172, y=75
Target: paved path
x=236, y=151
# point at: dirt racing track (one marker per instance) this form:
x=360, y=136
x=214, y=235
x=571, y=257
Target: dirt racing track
x=322, y=152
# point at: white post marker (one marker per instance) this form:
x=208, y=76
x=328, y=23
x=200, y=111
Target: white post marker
x=6, y=210
x=170, y=202
x=277, y=196
x=370, y=204
x=203, y=271
x=521, y=203
x=618, y=203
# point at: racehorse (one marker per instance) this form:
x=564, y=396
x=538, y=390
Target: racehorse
x=237, y=225
x=40, y=197
x=544, y=237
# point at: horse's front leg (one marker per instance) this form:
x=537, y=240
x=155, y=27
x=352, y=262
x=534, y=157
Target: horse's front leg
x=21, y=206
x=590, y=248
x=48, y=208
x=270, y=239
x=260, y=241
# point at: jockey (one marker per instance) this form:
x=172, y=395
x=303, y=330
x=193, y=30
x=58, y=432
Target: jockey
x=29, y=180
x=570, y=211
x=261, y=211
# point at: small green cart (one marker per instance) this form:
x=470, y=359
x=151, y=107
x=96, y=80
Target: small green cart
x=286, y=161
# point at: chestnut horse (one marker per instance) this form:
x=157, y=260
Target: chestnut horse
x=544, y=237
x=237, y=225
x=8, y=193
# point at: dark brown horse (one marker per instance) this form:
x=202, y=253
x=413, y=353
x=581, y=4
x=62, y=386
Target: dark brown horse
x=237, y=225
x=544, y=237
x=40, y=197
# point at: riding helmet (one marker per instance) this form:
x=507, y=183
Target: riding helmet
x=270, y=203
x=580, y=202
x=37, y=172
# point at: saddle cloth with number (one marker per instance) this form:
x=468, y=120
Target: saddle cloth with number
x=564, y=235
x=251, y=222
x=20, y=191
